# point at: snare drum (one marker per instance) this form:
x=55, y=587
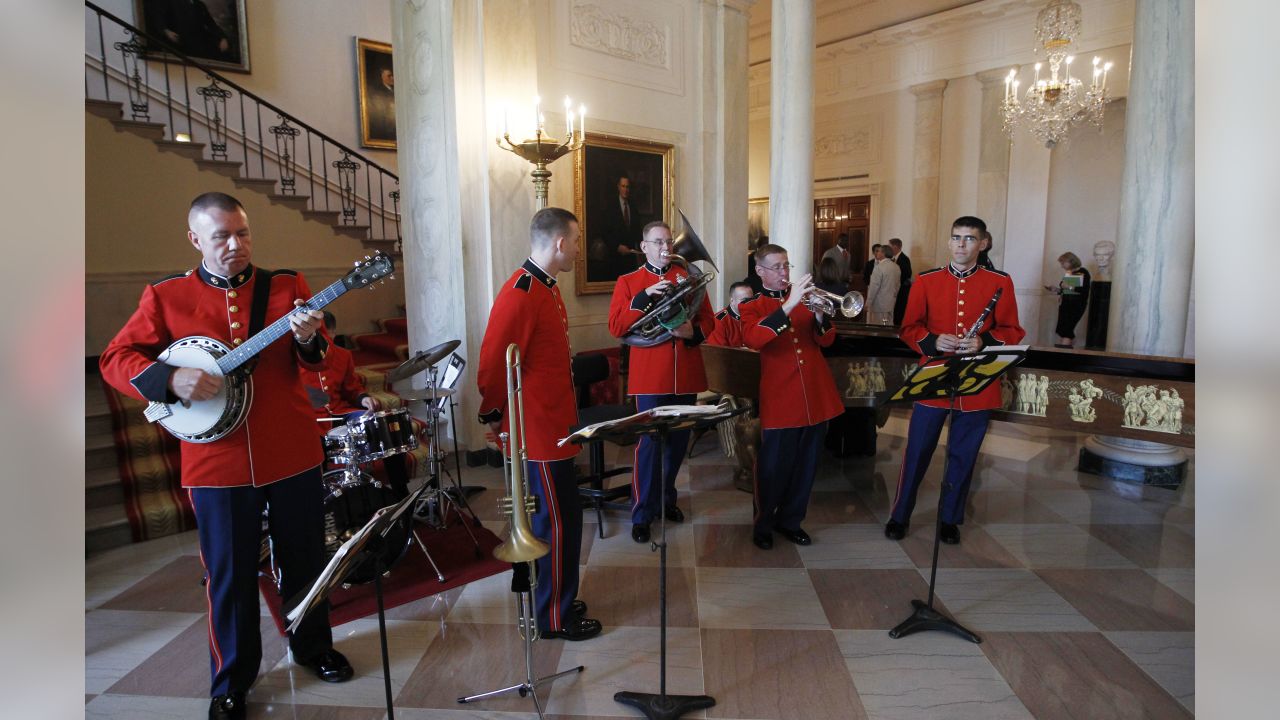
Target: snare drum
x=382, y=434
x=340, y=445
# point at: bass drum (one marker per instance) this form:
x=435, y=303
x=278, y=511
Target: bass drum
x=346, y=513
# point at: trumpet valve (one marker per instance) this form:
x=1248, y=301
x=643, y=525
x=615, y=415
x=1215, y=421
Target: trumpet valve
x=530, y=504
x=505, y=505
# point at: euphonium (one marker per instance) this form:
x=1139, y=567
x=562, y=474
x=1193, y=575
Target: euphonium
x=521, y=544
x=682, y=300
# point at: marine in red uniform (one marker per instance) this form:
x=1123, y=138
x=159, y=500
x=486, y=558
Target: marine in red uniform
x=669, y=373
x=728, y=332
x=272, y=460
x=530, y=313
x=797, y=396
x=943, y=305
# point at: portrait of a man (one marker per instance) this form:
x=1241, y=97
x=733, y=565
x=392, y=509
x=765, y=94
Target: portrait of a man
x=377, y=86
x=211, y=31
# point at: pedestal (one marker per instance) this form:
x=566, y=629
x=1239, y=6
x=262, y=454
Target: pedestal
x=1133, y=461
x=1099, y=309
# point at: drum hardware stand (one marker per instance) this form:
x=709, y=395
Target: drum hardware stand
x=434, y=506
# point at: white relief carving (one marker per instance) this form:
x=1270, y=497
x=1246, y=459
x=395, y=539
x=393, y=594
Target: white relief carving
x=1030, y=395
x=858, y=141
x=1146, y=408
x=421, y=64
x=1081, y=401
x=865, y=379
x=591, y=27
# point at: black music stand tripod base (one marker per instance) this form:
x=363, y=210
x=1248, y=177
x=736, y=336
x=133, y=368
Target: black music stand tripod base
x=926, y=618
x=663, y=707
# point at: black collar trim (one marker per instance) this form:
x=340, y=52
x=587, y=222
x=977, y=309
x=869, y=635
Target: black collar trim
x=222, y=282
x=541, y=275
x=962, y=273
x=779, y=294
x=656, y=270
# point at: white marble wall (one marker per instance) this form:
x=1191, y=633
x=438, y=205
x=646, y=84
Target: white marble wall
x=791, y=134
x=926, y=167
x=993, y=162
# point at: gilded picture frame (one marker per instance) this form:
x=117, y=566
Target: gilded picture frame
x=611, y=224
x=375, y=86
x=212, y=32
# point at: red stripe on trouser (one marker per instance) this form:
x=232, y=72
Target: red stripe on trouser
x=553, y=514
x=208, y=601
x=635, y=477
x=902, y=472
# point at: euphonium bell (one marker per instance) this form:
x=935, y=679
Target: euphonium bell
x=521, y=544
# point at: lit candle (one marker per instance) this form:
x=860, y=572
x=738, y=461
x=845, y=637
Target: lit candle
x=1097, y=74
x=568, y=116
x=1037, y=72
x=1105, y=68
x=1016, y=83
x=582, y=121
x=1007, y=83
x=1070, y=59
x=542, y=122
x=569, y=136
x=537, y=123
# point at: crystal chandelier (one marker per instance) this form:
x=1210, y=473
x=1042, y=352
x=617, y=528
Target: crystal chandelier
x=1053, y=104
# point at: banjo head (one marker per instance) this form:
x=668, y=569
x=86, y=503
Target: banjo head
x=203, y=421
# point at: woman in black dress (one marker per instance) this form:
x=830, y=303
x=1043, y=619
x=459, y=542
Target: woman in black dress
x=1072, y=299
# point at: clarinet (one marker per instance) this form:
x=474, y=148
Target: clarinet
x=981, y=318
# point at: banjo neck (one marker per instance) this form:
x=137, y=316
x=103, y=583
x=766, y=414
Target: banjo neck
x=259, y=342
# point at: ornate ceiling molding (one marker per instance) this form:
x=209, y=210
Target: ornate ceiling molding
x=594, y=28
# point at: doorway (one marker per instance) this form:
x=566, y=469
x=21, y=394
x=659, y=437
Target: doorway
x=850, y=215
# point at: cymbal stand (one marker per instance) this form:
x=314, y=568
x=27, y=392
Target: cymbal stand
x=433, y=509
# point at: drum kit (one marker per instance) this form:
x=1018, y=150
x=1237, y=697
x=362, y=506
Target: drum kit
x=353, y=494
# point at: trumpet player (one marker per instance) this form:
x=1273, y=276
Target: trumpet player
x=943, y=306
x=530, y=313
x=797, y=395
x=669, y=373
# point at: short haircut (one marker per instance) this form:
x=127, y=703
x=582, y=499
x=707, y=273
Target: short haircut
x=768, y=249
x=549, y=224
x=205, y=202
x=883, y=249
x=970, y=221
x=896, y=242
x=842, y=236
x=655, y=224
x=622, y=177
x=875, y=247
x=1071, y=259
x=737, y=285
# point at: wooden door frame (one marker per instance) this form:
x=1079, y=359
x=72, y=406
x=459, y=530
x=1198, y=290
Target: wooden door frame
x=843, y=188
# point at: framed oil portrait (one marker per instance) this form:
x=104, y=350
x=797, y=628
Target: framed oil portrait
x=213, y=32
x=620, y=185
x=757, y=220
x=377, y=89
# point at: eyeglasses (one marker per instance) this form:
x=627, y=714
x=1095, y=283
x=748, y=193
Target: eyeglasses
x=960, y=239
x=778, y=268
x=661, y=241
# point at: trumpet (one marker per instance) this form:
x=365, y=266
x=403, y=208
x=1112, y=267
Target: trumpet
x=829, y=303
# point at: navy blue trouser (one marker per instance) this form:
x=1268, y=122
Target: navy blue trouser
x=229, y=524
x=785, y=468
x=558, y=522
x=646, y=492
x=967, y=431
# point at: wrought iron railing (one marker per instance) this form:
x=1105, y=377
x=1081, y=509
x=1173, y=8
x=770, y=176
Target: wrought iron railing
x=291, y=152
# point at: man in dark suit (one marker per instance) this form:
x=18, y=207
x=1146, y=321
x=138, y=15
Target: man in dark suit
x=620, y=233
x=904, y=289
x=870, y=265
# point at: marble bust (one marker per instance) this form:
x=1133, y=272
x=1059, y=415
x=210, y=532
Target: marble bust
x=1103, y=250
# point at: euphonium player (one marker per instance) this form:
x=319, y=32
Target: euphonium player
x=669, y=373
x=530, y=313
x=797, y=396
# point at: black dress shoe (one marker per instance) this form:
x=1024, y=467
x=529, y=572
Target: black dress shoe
x=330, y=666
x=950, y=534
x=673, y=514
x=578, y=628
x=577, y=607
x=763, y=540
x=895, y=530
x=227, y=707
x=797, y=536
x=640, y=533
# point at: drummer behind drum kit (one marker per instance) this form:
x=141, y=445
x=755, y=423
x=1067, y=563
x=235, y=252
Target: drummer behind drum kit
x=353, y=495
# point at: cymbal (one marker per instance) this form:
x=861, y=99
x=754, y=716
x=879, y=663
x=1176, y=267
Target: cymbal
x=422, y=361
x=427, y=393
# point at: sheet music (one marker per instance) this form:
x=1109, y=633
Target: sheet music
x=689, y=411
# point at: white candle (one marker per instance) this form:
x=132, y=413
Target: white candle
x=1070, y=59
x=582, y=121
x=1105, y=69
x=569, y=136
x=1037, y=72
x=1016, y=83
x=537, y=124
x=568, y=116
x=1007, y=83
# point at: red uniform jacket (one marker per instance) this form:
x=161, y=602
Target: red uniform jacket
x=796, y=387
x=277, y=439
x=339, y=381
x=669, y=368
x=728, y=332
x=945, y=300
x=530, y=313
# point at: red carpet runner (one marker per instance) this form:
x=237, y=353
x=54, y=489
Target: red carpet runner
x=149, y=466
x=412, y=578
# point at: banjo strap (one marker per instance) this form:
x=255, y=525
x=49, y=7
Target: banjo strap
x=258, y=310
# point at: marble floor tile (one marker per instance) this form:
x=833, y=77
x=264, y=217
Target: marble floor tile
x=117, y=641
x=977, y=549
x=926, y=676
x=472, y=658
x=868, y=599
x=993, y=599
x=626, y=659
x=993, y=507
x=1091, y=507
x=1149, y=546
x=840, y=506
x=487, y=600
x=1122, y=599
x=359, y=641
x=285, y=711
x=173, y=588
x=777, y=674
x=1168, y=657
x=138, y=707
x=1013, y=446
x=432, y=608
x=639, y=606
x=722, y=507
x=181, y=667
x=852, y=547
x=758, y=598
x=1039, y=546
x=732, y=546
x=711, y=477
x=1180, y=580
x=589, y=535
x=1077, y=675
x=621, y=551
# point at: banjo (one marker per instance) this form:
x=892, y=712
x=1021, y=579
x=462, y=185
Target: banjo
x=204, y=421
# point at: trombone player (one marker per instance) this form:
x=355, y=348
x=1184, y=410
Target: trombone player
x=530, y=313
x=668, y=373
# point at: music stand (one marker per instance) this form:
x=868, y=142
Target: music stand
x=660, y=422
x=366, y=543
x=950, y=377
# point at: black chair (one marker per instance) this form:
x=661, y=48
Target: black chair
x=592, y=487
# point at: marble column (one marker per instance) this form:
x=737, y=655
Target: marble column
x=1155, y=242
x=724, y=148
x=993, y=162
x=791, y=132
x=924, y=242
x=426, y=111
